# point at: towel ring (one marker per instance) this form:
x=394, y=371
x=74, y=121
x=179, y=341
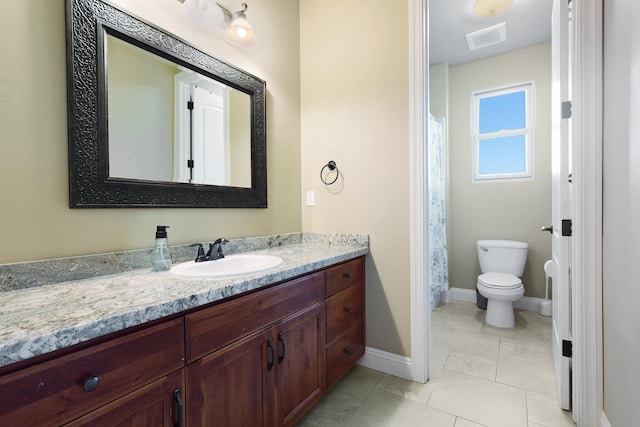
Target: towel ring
x=332, y=166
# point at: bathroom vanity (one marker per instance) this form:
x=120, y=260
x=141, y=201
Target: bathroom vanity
x=262, y=356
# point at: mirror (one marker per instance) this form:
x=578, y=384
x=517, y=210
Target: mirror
x=154, y=122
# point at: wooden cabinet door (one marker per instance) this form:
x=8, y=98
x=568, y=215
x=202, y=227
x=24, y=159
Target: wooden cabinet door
x=234, y=386
x=300, y=363
x=157, y=404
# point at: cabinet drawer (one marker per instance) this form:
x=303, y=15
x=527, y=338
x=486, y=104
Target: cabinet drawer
x=344, y=310
x=213, y=328
x=52, y=392
x=345, y=275
x=158, y=404
x=344, y=352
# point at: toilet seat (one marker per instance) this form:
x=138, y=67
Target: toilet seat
x=500, y=281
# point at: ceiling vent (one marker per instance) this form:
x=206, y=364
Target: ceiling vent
x=487, y=36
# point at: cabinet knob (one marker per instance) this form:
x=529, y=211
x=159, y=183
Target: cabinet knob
x=347, y=275
x=348, y=310
x=90, y=383
x=348, y=351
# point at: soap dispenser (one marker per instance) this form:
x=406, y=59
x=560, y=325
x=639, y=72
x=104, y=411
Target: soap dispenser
x=161, y=256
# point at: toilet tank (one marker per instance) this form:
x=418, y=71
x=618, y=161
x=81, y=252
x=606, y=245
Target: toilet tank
x=502, y=256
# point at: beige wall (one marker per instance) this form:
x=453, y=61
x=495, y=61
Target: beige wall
x=509, y=209
x=35, y=221
x=141, y=107
x=355, y=111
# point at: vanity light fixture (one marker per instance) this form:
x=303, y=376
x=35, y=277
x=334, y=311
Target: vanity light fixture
x=491, y=8
x=239, y=30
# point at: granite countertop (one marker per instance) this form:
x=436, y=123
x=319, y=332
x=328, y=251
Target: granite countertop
x=42, y=319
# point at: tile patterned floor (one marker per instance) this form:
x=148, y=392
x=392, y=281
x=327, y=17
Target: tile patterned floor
x=481, y=376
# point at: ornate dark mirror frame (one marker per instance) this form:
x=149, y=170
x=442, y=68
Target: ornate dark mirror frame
x=89, y=183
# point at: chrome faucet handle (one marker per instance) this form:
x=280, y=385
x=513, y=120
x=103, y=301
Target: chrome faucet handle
x=200, y=256
x=218, y=245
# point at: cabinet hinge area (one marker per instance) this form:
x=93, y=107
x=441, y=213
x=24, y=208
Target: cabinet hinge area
x=567, y=348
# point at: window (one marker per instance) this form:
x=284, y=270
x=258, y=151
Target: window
x=503, y=132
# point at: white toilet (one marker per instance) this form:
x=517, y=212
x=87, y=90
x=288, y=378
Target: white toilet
x=502, y=264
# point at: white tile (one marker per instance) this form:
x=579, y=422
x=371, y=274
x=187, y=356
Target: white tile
x=526, y=365
x=358, y=382
x=468, y=342
x=333, y=409
x=461, y=422
x=522, y=348
x=405, y=389
x=472, y=365
x=439, y=317
x=464, y=316
x=479, y=400
x=439, y=356
x=385, y=410
x=546, y=411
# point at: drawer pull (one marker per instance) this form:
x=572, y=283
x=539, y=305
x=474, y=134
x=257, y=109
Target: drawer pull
x=271, y=356
x=348, y=310
x=347, y=275
x=281, y=349
x=178, y=399
x=348, y=351
x=90, y=383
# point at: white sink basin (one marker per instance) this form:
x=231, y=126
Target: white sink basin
x=227, y=266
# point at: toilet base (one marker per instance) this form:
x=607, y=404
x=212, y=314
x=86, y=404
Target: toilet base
x=500, y=314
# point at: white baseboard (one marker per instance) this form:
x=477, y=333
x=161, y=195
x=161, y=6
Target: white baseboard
x=459, y=294
x=400, y=366
x=604, y=421
x=469, y=295
x=389, y=363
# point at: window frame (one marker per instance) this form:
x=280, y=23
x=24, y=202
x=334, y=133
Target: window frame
x=528, y=131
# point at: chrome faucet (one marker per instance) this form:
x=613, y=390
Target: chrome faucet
x=210, y=255
x=218, y=253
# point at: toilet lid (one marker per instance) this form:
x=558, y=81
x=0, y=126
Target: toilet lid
x=500, y=280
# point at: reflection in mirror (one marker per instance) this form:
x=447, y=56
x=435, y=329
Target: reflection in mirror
x=168, y=123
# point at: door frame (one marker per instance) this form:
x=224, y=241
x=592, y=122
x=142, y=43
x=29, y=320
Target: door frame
x=587, y=103
x=561, y=196
x=587, y=230
x=418, y=208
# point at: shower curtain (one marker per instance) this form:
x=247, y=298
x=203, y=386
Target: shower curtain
x=439, y=273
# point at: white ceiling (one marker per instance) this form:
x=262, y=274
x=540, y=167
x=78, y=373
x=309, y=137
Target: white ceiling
x=528, y=23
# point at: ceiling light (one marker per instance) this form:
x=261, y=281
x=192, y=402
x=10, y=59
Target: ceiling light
x=491, y=8
x=239, y=30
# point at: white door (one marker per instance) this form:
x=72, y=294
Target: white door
x=201, y=134
x=560, y=209
x=210, y=148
